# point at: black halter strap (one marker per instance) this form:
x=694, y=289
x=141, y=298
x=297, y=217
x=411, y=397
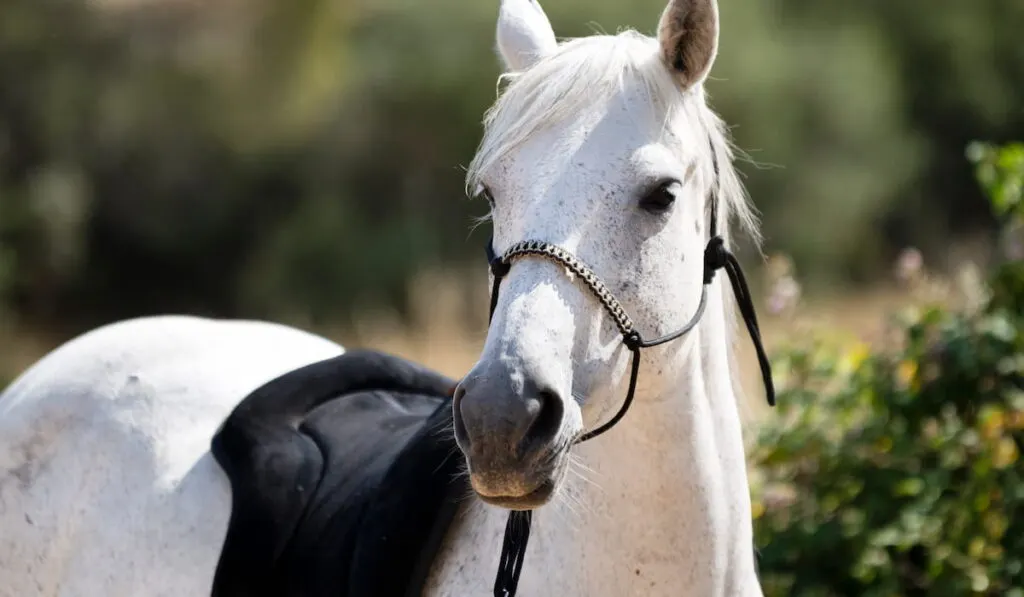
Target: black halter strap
x=716, y=256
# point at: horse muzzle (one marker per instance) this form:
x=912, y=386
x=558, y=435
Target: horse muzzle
x=513, y=437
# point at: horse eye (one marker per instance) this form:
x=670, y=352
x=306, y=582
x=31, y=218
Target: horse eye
x=659, y=199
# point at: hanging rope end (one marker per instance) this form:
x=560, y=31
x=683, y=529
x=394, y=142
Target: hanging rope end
x=715, y=258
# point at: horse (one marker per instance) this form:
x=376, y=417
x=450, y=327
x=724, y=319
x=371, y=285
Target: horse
x=612, y=191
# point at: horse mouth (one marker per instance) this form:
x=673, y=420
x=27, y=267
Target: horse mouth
x=541, y=494
x=535, y=499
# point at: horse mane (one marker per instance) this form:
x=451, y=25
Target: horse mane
x=586, y=70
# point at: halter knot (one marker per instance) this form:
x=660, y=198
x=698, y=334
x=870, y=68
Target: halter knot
x=500, y=268
x=715, y=258
x=633, y=341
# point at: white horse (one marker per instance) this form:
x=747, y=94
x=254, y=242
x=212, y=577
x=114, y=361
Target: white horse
x=602, y=145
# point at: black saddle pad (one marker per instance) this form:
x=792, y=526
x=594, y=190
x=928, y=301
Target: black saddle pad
x=345, y=476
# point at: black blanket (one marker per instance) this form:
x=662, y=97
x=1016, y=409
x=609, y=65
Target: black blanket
x=344, y=478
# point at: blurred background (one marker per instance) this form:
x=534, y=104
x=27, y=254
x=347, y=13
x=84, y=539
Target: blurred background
x=302, y=160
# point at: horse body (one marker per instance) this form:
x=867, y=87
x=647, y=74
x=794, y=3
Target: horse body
x=107, y=486
x=603, y=146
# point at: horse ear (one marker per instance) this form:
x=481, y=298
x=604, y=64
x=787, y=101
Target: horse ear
x=688, y=33
x=524, y=33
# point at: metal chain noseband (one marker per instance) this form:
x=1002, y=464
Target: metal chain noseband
x=577, y=267
x=631, y=338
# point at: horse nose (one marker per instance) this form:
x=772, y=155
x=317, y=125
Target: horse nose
x=499, y=424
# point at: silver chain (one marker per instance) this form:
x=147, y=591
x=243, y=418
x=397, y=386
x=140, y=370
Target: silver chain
x=580, y=269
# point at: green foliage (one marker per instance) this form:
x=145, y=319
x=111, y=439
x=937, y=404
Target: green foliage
x=899, y=472
x=1000, y=170
x=1001, y=173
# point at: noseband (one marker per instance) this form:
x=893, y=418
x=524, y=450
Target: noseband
x=716, y=257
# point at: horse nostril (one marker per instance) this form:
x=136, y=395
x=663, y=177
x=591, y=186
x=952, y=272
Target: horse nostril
x=461, y=436
x=547, y=422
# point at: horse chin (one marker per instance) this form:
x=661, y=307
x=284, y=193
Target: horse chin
x=543, y=487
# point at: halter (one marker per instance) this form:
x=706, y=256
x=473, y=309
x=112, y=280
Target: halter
x=716, y=257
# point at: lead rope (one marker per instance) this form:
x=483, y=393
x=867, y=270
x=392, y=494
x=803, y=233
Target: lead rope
x=716, y=257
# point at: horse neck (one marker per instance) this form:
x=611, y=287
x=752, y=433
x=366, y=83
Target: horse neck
x=670, y=479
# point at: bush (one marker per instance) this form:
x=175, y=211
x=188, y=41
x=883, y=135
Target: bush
x=898, y=472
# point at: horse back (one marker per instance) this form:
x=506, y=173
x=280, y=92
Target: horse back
x=107, y=486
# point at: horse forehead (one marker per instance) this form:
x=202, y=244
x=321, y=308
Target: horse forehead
x=571, y=169
x=572, y=172
x=587, y=186
x=608, y=147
